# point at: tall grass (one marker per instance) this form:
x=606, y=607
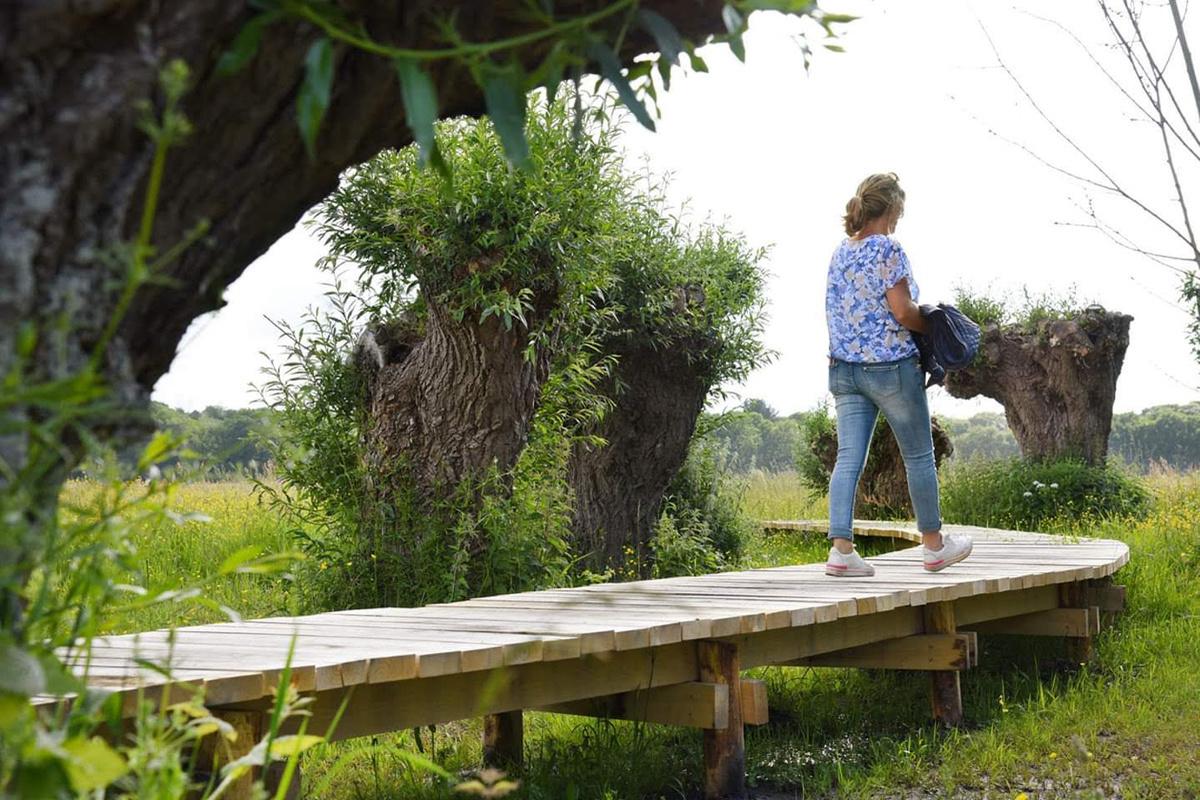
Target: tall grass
x=215, y=520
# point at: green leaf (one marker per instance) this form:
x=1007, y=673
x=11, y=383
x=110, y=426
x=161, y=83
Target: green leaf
x=238, y=558
x=610, y=68
x=315, y=90
x=20, y=672
x=698, y=63
x=670, y=44
x=505, y=100
x=245, y=44
x=420, y=103
x=734, y=21
x=284, y=746
x=549, y=73
x=738, y=47
x=59, y=679
x=155, y=450
x=12, y=708
x=93, y=764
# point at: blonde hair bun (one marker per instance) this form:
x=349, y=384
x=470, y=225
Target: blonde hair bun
x=876, y=196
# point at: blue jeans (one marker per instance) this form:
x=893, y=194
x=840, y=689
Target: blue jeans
x=860, y=392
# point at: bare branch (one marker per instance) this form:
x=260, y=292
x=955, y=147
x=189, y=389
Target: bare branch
x=1158, y=73
x=1187, y=53
x=1154, y=118
x=1112, y=185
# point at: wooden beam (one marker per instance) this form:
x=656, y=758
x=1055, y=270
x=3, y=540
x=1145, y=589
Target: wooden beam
x=694, y=704
x=215, y=751
x=754, y=702
x=923, y=651
x=984, y=607
x=945, y=693
x=776, y=647
x=1071, y=622
x=504, y=739
x=1109, y=598
x=724, y=749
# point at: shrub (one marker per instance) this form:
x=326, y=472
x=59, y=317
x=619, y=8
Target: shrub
x=702, y=527
x=1026, y=312
x=1024, y=495
x=817, y=428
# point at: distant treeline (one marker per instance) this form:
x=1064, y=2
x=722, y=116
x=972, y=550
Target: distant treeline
x=1169, y=436
x=229, y=441
x=218, y=442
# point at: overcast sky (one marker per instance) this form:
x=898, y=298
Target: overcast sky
x=777, y=152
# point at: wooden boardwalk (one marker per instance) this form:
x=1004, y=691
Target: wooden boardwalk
x=666, y=650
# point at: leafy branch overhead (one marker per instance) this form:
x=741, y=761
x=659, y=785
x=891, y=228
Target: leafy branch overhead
x=559, y=47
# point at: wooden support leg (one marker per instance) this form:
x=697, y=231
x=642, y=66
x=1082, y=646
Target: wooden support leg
x=215, y=751
x=503, y=739
x=724, y=750
x=946, y=695
x=1079, y=648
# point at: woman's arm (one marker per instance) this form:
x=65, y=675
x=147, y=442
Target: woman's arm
x=903, y=308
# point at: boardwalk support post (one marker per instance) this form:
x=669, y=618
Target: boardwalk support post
x=1074, y=595
x=945, y=693
x=724, y=749
x=503, y=739
x=216, y=751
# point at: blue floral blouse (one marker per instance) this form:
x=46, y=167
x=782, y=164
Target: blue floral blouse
x=861, y=326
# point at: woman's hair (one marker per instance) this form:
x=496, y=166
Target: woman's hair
x=877, y=196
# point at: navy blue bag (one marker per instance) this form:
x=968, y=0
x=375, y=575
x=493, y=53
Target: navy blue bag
x=951, y=341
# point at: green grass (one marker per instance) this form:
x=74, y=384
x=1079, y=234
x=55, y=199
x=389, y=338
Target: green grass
x=1127, y=724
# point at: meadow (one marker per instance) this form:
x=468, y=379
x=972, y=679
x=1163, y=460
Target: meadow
x=1126, y=725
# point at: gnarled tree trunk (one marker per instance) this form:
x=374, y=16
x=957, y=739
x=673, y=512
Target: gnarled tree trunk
x=883, y=487
x=658, y=393
x=1057, y=381
x=449, y=405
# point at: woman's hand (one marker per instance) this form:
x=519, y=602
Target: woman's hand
x=903, y=308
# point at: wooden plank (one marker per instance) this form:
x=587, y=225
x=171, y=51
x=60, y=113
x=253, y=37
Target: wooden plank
x=694, y=704
x=945, y=692
x=592, y=637
x=220, y=688
x=645, y=626
x=1073, y=622
x=754, y=702
x=302, y=677
x=724, y=748
x=927, y=651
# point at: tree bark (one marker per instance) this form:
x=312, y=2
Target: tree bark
x=883, y=486
x=1057, y=381
x=659, y=392
x=448, y=406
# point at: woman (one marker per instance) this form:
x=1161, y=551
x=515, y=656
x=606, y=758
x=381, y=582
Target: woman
x=870, y=307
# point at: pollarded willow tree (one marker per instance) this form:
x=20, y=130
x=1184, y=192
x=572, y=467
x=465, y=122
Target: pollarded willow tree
x=516, y=333
x=1054, y=367
x=687, y=314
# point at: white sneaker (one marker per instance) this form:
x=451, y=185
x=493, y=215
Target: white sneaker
x=850, y=565
x=955, y=547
